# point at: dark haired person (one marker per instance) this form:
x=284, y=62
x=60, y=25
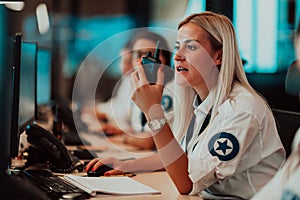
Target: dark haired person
x=127, y=123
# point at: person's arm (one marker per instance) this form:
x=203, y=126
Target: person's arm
x=148, y=163
x=174, y=159
x=148, y=97
x=141, y=140
x=111, y=129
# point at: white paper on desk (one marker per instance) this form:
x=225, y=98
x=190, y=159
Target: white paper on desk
x=110, y=185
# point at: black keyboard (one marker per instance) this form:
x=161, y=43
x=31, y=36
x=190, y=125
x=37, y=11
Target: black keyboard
x=53, y=185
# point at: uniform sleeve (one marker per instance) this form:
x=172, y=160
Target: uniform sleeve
x=231, y=140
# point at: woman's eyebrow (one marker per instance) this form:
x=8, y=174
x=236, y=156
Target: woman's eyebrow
x=188, y=41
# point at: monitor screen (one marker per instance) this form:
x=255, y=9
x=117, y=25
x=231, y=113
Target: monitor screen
x=24, y=90
x=43, y=76
x=27, y=84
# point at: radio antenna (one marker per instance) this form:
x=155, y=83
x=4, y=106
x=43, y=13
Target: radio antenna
x=157, y=52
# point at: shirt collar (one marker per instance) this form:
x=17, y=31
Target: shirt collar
x=204, y=106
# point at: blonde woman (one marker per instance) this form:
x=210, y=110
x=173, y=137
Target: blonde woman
x=224, y=140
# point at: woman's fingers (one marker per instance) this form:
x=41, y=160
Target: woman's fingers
x=142, y=75
x=113, y=172
x=91, y=164
x=138, y=77
x=134, y=80
x=97, y=162
x=160, y=76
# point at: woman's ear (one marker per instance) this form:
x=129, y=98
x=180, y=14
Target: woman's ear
x=218, y=60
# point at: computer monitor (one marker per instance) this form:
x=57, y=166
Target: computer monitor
x=27, y=98
x=16, y=64
x=24, y=90
x=43, y=76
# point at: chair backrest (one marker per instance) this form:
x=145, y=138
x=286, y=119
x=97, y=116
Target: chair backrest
x=287, y=125
x=292, y=79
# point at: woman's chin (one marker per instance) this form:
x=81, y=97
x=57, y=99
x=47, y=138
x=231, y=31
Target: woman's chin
x=180, y=80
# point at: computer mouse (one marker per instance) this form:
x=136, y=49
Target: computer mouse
x=100, y=171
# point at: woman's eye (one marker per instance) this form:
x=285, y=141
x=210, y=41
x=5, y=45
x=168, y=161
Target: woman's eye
x=190, y=47
x=176, y=48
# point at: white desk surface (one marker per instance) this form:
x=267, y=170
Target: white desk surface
x=157, y=180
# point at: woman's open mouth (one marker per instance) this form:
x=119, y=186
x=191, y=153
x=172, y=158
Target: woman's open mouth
x=181, y=69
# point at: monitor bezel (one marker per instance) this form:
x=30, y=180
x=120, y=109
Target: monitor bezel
x=16, y=67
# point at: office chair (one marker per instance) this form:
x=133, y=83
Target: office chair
x=288, y=122
x=292, y=80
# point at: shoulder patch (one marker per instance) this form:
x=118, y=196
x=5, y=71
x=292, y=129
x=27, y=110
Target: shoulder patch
x=224, y=145
x=167, y=102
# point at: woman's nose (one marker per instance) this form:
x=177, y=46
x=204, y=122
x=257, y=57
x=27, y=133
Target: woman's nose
x=178, y=55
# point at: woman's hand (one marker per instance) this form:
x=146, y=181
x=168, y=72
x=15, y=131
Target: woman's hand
x=147, y=96
x=117, y=165
x=101, y=116
x=110, y=129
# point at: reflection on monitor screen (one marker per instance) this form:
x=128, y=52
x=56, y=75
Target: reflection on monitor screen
x=43, y=76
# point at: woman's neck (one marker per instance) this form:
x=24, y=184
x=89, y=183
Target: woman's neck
x=202, y=92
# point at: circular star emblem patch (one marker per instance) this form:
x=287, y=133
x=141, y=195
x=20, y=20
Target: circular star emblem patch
x=167, y=102
x=224, y=145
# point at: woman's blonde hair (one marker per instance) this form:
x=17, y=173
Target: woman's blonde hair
x=221, y=35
